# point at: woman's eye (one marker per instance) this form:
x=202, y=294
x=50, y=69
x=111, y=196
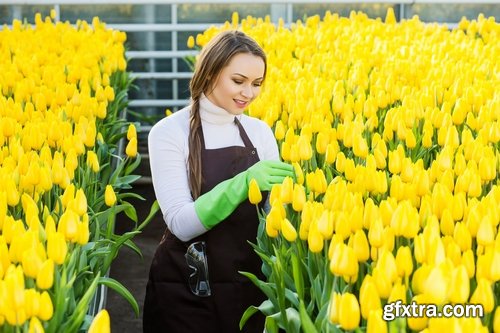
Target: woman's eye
x=237, y=81
x=257, y=84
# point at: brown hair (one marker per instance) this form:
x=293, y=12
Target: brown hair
x=213, y=58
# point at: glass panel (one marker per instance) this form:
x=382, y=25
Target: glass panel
x=150, y=65
x=116, y=13
x=163, y=14
x=453, y=13
x=5, y=15
x=372, y=10
x=164, y=89
x=147, y=115
x=196, y=13
x=149, y=41
x=184, y=89
x=182, y=38
x=8, y=13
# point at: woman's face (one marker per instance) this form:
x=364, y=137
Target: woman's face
x=238, y=83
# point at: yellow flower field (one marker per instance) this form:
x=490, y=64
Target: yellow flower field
x=394, y=132
x=62, y=93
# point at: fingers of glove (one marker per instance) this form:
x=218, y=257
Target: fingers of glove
x=281, y=172
x=272, y=180
x=278, y=165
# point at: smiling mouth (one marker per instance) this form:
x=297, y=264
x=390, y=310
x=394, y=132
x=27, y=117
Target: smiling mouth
x=241, y=103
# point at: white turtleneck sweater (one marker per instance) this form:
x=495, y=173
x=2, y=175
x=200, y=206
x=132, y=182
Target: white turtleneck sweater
x=168, y=157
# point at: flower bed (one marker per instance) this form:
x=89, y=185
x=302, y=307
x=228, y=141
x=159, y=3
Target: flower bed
x=63, y=93
x=394, y=132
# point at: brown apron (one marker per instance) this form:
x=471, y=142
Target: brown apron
x=170, y=306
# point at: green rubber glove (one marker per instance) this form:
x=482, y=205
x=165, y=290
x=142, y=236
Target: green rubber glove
x=217, y=204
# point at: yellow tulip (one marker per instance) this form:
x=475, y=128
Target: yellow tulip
x=13, y=196
x=485, y=233
x=109, y=93
x=332, y=149
x=321, y=143
x=418, y=323
x=46, y=308
x=304, y=149
x=31, y=262
x=404, y=261
x=375, y=233
x=93, y=161
x=190, y=42
x=390, y=17
x=109, y=196
x=80, y=206
x=299, y=197
x=315, y=240
x=131, y=132
x=496, y=320
x=254, y=195
x=334, y=308
x=360, y=246
x=286, y=193
x=101, y=323
x=288, y=230
x=469, y=262
x=375, y=322
x=349, y=313
x=483, y=295
x=45, y=276
x=398, y=292
x=459, y=286
x=35, y=326
x=273, y=222
x=360, y=148
x=131, y=149
x=369, y=299
x=279, y=130
x=56, y=247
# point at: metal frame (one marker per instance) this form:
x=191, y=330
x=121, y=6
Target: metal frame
x=279, y=8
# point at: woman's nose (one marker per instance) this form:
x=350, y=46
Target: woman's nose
x=247, y=91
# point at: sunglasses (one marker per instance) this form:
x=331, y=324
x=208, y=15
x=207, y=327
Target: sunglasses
x=196, y=258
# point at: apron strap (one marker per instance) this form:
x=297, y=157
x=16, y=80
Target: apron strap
x=243, y=134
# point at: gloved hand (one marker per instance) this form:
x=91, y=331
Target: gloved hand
x=217, y=204
x=268, y=173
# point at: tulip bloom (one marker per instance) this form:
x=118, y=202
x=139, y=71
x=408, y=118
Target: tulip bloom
x=254, y=195
x=349, y=313
x=131, y=149
x=109, y=196
x=101, y=323
x=131, y=132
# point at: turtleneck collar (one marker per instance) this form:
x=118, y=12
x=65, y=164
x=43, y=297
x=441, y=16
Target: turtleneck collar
x=213, y=114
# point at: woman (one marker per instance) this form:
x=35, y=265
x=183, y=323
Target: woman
x=202, y=159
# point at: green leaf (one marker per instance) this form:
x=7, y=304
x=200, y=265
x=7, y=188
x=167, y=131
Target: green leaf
x=76, y=319
x=116, y=247
x=307, y=324
x=125, y=195
x=131, y=245
x=293, y=319
x=130, y=211
x=270, y=325
x=155, y=207
x=250, y=311
x=265, y=308
x=125, y=180
x=265, y=287
x=133, y=165
x=297, y=276
x=120, y=289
